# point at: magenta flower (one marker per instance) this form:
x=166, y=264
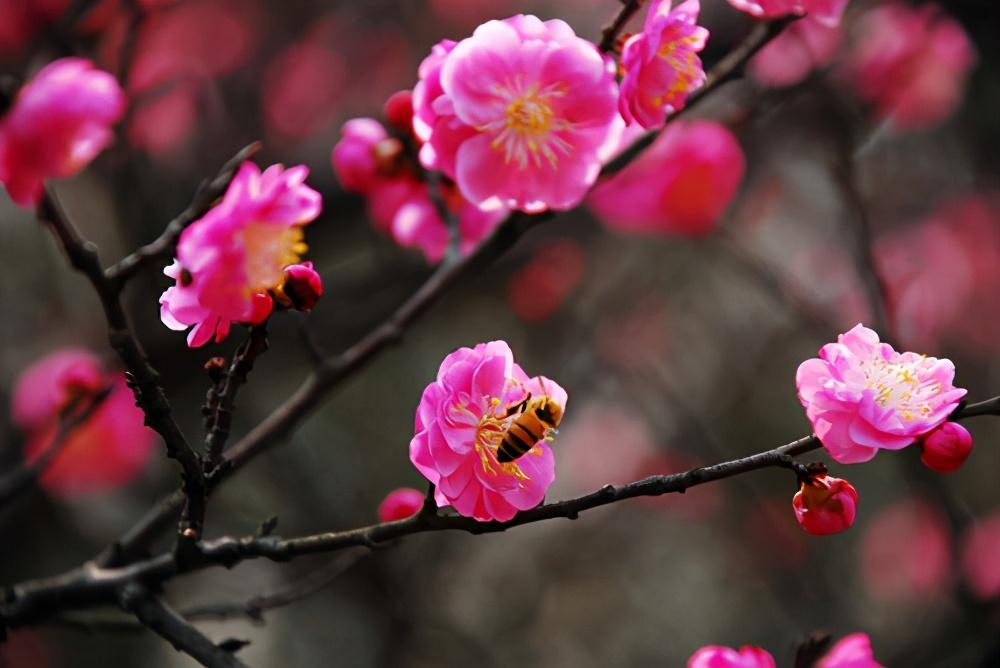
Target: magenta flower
x=110, y=449
x=861, y=395
x=682, y=185
x=802, y=47
x=825, y=505
x=912, y=63
x=946, y=448
x=233, y=256
x=400, y=504
x=660, y=64
x=59, y=122
x=715, y=656
x=827, y=11
x=460, y=423
x=853, y=651
x=526, y=115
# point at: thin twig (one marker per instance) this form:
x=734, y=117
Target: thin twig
x=609, y=35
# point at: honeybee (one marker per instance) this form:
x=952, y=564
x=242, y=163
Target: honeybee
x=537, y=418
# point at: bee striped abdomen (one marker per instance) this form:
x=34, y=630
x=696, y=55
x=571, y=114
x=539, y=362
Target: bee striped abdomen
x=516, y=441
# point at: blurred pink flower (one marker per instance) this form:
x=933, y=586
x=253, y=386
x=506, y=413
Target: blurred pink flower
x=230, y=258
x=912, y=63
x=906, y=552
x=802, y=47
x=682, y=185
x=109, y=450
x=59, y=122
x=459, y=424
x=527, y=115
x=946, y=448
x=714, y=656
x=980, y=565
x=660, y=64
x=400, y=503
x=861, y=395
x=301, y=88
x=825, y=505
x=826, y=11
x=398, y=110
x=539, y=288
x=853, y=651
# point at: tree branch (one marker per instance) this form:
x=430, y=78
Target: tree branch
x=609, y=35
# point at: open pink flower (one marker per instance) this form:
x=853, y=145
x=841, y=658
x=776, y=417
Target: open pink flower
x=861, y=395
x=825, y=505
x=111, y=448
x=715, y=656
x=912, y=63
x=853, y=651
x=526, y=115
x=230, y=258
x=827, y=11
x=459, y=424
x=58, y=123
x=400, y=504
x=682, y=185
x=802, y=47
x=661, y=66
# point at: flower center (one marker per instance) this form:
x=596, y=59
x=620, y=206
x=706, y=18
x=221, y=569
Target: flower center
x=528, y=131
x=489, y=436
x=898, y=385
x=269, y=249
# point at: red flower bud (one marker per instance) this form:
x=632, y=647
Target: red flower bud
x=825, y=505
x=262, y=307
x=946, y=448
x=398, y=110
x=303, y=286
x=400, y=504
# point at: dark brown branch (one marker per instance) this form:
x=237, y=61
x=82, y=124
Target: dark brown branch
x=610, y=33
x=162, y=249
x=141, y=376
x=35, y=601
x=22, y=478
x=163, y=621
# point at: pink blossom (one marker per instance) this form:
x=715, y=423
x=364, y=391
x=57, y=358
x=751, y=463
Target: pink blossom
x=826, y=11
x=400, y=504
x=946, y=448
x=682, y=185
x=58, y=123
x=980, y=565
x=906, y=553
x=861, y=395
x=825, y=505
x=111, y=448
x=853, y=651
x=459, y=425
x=539, y=288
x=715, y=656
x=230, y=258
x=398, y=110
x=912, y=63
x=802, y=47
x=660, y=64
x=528, y=113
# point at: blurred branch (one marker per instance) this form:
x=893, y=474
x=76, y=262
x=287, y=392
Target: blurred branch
x=141, y=376
x=13, y=483
x=35, y=601
x=163, y=621
x=162, y=249
x=329, y=374
x=609, y=35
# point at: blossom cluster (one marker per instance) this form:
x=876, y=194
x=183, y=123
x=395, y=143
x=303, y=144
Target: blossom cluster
x=853, y=651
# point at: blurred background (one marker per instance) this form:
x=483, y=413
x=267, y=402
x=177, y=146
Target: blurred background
x=677, y=349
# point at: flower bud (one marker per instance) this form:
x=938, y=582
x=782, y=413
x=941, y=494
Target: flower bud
x=946, y=448
x=261, y=307
x=398, y=110
x=825, y=505
x=303, y=286
x=389, y=157
x=400, y=504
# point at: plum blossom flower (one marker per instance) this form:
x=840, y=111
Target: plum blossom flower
x=460, y=423
x=827, y=11
x=400, y=504
x=111, y=448
x=230, y=258
x=526, y=114
x=861, y=395
x=660, y=64
x=682, y=185
x=59, y=122
x=946, y=448
x=912, y=63
x=715, y=656
x=825, y=505
x=853, y=651
x=801, y=48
